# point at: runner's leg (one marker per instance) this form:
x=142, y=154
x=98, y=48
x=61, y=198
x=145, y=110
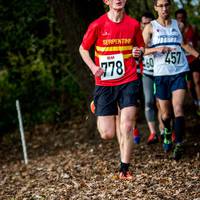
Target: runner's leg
x=148, y=88
x=127, y=122
x=179, y=122
x=178, y=97
x=161, y=125
x=118, y=132
x=196, y=80
x=106, y=126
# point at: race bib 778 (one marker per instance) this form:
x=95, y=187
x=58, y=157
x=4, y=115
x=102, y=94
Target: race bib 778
x=113, y=66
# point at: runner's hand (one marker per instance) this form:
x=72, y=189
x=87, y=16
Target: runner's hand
x=164, y=49
x=137, y=52
x=98, y=71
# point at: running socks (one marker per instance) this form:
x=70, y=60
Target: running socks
x=166, y=123
x=124, y=167
x=179, y=128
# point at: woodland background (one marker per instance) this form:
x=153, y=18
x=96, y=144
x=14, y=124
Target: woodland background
x=39, y=60
x=41, y=67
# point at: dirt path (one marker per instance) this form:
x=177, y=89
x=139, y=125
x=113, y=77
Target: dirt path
x=64, y=165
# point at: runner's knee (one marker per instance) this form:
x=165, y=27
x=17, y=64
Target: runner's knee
x=107, y=133
x=196, y=81
x=165, y=116
x=126, y=126
x=178, y=110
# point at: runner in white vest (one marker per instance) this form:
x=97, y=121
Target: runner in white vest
x=170, y=65
x=148, y=88
x=174, y=61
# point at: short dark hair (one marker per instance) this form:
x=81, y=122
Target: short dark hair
x=181, y=11
x=148, y=14
x=155, y=2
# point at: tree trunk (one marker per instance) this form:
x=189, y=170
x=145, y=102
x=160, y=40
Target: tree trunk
x=74, y=16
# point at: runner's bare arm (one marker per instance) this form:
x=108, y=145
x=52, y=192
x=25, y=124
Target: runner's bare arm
x=190, y=50
x=147, y=33
x=96, y=70
x=138, y=49
x=187, y=47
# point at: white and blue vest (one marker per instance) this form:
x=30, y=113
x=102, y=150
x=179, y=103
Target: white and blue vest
x=148, y=64
x=173, y=62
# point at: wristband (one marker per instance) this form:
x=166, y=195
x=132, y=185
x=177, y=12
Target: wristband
x=141, y=53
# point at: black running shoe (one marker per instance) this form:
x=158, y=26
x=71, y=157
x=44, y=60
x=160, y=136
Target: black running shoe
x=178, y=151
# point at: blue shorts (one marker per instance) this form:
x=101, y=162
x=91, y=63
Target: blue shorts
x=107, y=99
x=165, y=85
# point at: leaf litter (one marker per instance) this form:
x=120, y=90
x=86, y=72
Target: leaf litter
x=64, y=164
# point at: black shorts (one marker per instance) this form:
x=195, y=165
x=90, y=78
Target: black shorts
x=108, y=98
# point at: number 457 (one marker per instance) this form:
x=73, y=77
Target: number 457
x=173, y=57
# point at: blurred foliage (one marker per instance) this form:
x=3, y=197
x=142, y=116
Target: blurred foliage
x=138, y=7
x=34, y=66
x=38, y=62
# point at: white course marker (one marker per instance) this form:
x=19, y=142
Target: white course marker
x=22, y=132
